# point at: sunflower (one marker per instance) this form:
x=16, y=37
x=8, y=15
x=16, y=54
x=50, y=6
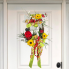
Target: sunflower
x=44, y=35
x=30, y=42
x=38, y=16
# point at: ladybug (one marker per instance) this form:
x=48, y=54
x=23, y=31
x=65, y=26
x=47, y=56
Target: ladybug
x=28, y=35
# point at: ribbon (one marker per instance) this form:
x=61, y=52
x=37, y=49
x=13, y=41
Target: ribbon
x=33, y=54
x=35, y=48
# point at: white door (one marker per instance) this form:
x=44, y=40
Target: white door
x=18, y=51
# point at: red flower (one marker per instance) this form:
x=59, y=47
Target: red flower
x=43, y=15
x=41, y=31
x=28, y=35
x=39, y=20
x=32, y=21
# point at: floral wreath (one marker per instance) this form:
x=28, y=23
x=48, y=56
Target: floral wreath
x=34, y=40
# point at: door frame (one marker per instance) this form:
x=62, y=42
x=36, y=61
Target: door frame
x=1, y=35
x=5, y=26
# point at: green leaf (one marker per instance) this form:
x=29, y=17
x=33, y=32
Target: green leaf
x=44, y=40
x=49, y=39
x=40, y=34
x=38, y=31
x=47, y=43
x=28, y=25
x=32, y=38
x=36, y=25
x=42, y=44
x=32, y=14
x=23, y=34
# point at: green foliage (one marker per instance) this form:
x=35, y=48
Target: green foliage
x=21, y=35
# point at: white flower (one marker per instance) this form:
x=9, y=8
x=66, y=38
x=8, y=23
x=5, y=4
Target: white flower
x=40, y=25
x=33, y=28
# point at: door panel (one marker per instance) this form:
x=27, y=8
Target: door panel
x=18, y=51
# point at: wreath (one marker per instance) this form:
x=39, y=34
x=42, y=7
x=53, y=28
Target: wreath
x=35, y=40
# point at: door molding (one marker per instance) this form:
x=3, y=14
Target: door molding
x=1, y=38
x=5, y=18
x=63, y=36
x=1, y=1
x=34, y=1
x=67, y=1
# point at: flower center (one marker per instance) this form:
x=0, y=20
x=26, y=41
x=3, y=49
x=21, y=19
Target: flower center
x=30, y=42
x=44, y=35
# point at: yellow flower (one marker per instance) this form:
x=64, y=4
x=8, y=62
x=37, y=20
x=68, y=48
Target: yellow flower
x=44, y=35
x=30, y=42
x=38, y=16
